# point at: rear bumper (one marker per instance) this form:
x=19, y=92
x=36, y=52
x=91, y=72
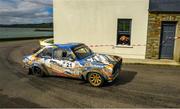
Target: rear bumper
x=26, y=66
x=25, y=63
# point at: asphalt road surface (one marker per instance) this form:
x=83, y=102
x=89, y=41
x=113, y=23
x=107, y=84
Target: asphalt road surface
x=137, y=86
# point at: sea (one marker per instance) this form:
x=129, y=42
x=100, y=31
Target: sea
x=6, y=33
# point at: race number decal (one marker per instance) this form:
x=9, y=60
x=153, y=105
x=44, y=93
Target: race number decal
x=68, y=64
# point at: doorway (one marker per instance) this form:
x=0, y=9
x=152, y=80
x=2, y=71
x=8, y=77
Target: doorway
x=167, y=40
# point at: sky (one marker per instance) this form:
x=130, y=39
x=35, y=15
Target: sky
x=26, y=11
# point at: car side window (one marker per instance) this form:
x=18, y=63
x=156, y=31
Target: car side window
x=58, y=53
x=47, y=52
x=67, y=55
x=61, y=54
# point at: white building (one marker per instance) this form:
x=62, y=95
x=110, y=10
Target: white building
x=108, y=26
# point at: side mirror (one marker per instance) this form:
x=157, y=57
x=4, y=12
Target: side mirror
x=71, y=59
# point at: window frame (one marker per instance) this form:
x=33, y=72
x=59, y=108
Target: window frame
x=69, y=55
x=119, y=32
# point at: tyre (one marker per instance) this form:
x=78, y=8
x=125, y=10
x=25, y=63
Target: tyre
x=95, y=79
x=37, y=71
x=30, y=71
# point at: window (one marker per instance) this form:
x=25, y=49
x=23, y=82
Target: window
x=124, y=32
x=58, y=54
x=46, y=53
x=82, y=52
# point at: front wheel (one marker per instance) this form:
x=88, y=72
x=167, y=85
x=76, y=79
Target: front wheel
x=95, y=79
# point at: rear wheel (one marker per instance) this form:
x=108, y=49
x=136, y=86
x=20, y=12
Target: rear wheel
x=95, y=79
x=30, y=71
x=37, y=71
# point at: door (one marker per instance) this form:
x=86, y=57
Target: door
x=167, y=40
x=44, y=60
x=63, y=64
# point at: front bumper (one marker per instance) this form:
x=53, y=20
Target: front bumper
x=116, y=71
x=26, y=66
x=111, y=79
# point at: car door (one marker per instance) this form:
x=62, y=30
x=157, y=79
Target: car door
x=63, y=64
x=44, y=58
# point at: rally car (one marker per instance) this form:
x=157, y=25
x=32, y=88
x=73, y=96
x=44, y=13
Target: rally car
x=74, y=60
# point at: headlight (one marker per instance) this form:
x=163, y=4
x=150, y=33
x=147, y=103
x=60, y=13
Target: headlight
x=108, y=68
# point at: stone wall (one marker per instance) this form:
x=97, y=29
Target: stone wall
x=154, y=34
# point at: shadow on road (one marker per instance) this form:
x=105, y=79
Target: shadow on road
x=10, y=102
x=124, y=77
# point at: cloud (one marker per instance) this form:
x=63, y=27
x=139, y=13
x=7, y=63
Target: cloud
x=40, y=2
x=25, y=11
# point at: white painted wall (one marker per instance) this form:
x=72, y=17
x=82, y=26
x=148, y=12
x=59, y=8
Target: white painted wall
x=94, y=22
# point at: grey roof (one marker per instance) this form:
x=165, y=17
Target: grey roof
x=164, y=6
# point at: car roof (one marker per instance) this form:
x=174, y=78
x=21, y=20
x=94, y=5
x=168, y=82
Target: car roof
x=69, y=45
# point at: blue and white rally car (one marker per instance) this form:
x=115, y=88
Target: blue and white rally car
x=74, y=60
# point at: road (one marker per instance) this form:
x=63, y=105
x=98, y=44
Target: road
x=140, y=86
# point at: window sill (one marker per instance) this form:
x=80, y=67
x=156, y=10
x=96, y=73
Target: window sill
x=123, y=46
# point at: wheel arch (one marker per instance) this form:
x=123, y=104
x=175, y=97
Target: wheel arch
x=36, y=65
x=41, y=66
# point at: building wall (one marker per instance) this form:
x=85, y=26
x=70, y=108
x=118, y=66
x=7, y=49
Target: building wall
x=154, y=34
x=177, y=50
x=94, y=22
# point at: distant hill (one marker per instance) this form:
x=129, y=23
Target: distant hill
x=42, y=25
